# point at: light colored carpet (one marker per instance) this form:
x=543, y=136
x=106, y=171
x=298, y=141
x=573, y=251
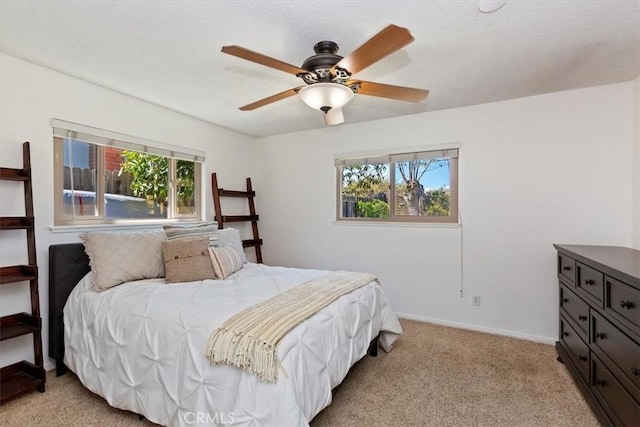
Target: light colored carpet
x=435, y=376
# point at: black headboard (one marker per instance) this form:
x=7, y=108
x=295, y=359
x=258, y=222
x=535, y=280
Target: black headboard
x=68, y=264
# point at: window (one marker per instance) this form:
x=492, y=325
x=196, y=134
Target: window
x=418, y=186
x=103, y=177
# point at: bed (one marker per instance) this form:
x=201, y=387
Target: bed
x=141, y=345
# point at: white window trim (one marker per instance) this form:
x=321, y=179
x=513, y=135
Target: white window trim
x=128, y=142
x=400, y=150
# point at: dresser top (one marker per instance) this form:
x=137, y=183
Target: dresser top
x=624, y=261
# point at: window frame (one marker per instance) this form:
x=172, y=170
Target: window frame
x=60, y=219
x=452, y=218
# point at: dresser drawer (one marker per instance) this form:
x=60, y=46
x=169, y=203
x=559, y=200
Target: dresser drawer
x=622, y=350
x=622, y=302
x=613, y=397
x=566, y=268
x=591, y=283
x=576, y=309
x=577, y=348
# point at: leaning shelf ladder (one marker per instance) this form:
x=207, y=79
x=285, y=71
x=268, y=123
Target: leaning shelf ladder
x=218, y=192
x=23, y=376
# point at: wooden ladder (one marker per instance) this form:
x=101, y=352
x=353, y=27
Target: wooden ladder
x=218, y=192
x=23, y=376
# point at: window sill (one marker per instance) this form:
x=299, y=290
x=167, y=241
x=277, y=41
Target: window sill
x=399, y=224
x=60, y=229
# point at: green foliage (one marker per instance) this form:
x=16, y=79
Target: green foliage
x=150, y=175
x=186, y=184
x=437, y=203
x=372, y=208
x=365, y=180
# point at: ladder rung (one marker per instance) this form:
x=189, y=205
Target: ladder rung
x=239, y=218
x=18, y=273
x=18, y=324
x=235, y=193
x=20, y=377
x=251, y=242
x=10, y=174
x=16, y=222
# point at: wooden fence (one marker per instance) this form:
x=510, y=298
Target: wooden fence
x=85, y=180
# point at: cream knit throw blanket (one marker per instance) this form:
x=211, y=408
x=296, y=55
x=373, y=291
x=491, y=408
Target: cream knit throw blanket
x=249, y=340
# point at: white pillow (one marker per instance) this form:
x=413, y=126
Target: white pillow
x=118, y=257
x=231, y=236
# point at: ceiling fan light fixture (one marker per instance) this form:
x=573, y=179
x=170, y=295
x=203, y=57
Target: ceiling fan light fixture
x=325, y=96
x=490, y=6
x=334, y=117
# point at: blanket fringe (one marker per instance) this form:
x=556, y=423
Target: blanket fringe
x=246, y=352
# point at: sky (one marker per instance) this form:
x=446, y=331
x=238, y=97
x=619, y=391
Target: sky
x=433, y=179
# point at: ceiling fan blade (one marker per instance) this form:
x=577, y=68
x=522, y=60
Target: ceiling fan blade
x=334, y=117
x=384, y=43
x=400, y=93
x=270, y=99
x=261, y=59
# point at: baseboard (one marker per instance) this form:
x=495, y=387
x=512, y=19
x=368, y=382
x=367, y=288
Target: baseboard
x=493, y=331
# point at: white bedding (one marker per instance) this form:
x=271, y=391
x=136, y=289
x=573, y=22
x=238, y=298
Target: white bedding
x=141, y=346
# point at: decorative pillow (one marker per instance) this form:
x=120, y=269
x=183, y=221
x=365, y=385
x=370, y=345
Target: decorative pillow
x=226, y=260
x=193, y=231
x=118, y=257
x=231, y=236
x=186, y=260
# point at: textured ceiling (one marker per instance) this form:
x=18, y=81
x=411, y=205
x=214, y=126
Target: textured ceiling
x=168, y=52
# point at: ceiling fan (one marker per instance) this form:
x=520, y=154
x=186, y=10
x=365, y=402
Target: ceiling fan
x=328, y=76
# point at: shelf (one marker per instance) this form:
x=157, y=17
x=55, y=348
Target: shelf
x=18, y=273
x=19, y=378
x=248, y=194
x=10, y=174
x=239, y=218
x=16, y=222
x=23, y=376
x=18, y=324
x=235, y=193
x=251, y=243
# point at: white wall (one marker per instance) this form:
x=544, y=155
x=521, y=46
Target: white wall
x=636, y=169
x=30, y=96
x=555, y=168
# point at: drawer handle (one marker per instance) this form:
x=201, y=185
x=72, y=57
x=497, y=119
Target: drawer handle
x=635, y=371
x=600, y=383
x=583, y=358
x=589, y=282
x=565, y=334
x=565, y=300
x=626, y=304
x=566, y=268
x=583, y=318
x=600, y=335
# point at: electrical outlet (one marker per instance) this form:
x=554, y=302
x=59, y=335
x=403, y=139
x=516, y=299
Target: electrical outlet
x=476, y=300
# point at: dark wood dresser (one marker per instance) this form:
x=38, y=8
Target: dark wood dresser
x=600, y=328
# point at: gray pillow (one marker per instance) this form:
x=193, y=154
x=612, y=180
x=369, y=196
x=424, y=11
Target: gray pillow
x=193, y=231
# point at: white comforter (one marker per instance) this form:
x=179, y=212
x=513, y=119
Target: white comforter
x=141, y=346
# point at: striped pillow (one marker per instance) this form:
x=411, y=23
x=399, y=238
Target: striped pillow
x=226, y=260
x=193, y=231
